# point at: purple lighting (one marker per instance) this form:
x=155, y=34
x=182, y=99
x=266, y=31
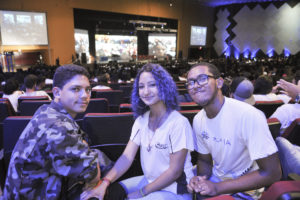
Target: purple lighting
x=270, y=53
x=287, y=52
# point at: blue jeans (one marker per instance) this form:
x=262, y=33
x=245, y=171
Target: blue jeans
x=135, y=183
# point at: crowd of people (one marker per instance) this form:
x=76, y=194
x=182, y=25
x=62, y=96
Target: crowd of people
x=236, y=153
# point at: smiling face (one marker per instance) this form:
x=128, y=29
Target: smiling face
x=75, y=95
x=148, y=90
x=203, y=95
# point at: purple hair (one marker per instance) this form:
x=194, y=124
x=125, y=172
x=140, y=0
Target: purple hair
x=167, y=89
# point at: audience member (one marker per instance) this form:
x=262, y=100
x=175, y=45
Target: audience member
x=11, y=91
x=30, y=82
x=242, y=90
x=102, y=82
x=164, y=137
x=236, y=152
x=286, y=114
x=52, y=156
x=290, y=89
x=263, y=90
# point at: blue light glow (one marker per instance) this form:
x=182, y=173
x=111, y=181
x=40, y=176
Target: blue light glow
x=270, y=53
x=247, y=53
x=287, y=52
x=253, y=53
x=236, y=54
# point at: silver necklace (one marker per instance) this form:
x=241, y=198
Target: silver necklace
x=159, y=123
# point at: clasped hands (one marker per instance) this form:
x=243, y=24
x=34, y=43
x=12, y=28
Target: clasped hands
x=201, y=185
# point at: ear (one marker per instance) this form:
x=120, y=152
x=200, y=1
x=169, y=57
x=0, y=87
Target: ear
x=220, y=82
x=56, y=92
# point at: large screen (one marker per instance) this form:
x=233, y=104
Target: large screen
x=82, y=42
x=198, y=36
x=118, y=47
x=23, y=28
x=162, y=44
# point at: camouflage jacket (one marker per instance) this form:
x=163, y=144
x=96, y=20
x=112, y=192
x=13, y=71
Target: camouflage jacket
x=49, y=149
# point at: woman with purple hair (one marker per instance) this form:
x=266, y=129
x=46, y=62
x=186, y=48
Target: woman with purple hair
x=164, y=137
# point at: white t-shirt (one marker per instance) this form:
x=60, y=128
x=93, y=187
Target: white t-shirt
x=37, y=93
x=13, y=98
x=286, y=114
x=272, y=97
x=101, y=87
x=172, y=136
x=235, y=138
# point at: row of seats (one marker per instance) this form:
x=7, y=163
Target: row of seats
x=108, y=132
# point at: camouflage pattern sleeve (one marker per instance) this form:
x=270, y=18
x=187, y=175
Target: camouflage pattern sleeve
x=69, y=154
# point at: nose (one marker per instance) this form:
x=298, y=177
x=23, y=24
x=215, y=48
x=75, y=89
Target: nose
x=146, y=90
x=85, y=93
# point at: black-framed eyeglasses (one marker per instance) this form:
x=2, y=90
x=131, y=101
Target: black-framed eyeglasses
x=201, y=79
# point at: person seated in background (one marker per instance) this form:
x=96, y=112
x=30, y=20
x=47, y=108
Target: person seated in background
x=11, y=91
x=236, y=151
x=290, y=89
x=41, y=83
x=263, y=87
x=242, y=89
x=103, y=82
x=287, y=113
x=164, y=138
x=30, y=83
x=52, y=156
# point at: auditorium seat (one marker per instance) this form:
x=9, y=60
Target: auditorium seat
x=114, y=98
x=125, y=107
x=6, y=109
x=292, y=133
x=32, y=98
x=189, y=106
x=108, y=128
x=182, y=91
x=115, y=86
x=274, y=126
x=110, y=132
x=285, y=190
x=96, y=105
x=268, y=107
x=13, y=126
x=28, y=107
x=126, y=93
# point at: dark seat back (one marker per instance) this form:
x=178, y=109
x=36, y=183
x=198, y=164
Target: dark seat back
x=268, y=107
x=110, y=132
x=12, y=128
x=108, y=128
x=126, y=93
x=125, y=107
x=96, y=105
x=22, y=98
x=189, y=106
x=6, y=109
x=292, y=133
x=114, y=98
x=274, y=126
x=28, y=107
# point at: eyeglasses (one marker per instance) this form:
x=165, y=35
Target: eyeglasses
x=201, y=79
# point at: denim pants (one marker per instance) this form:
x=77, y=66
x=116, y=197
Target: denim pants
x=135, y=183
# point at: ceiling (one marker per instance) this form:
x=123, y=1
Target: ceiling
x=215, y=3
